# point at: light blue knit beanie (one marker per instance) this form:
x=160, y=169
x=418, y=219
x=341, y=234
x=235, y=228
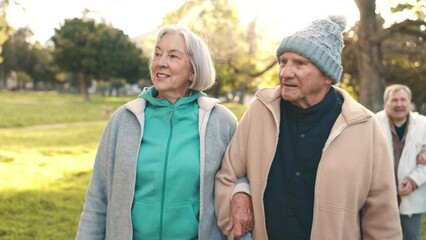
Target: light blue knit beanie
x=321, y=42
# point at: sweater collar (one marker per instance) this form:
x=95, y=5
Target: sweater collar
x=314, y=113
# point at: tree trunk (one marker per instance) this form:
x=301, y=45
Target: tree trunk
x=83, y=86
x=369, y=57
x=3, y=80
x=243, y=91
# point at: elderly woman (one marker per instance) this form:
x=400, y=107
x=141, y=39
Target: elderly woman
x=154, y=171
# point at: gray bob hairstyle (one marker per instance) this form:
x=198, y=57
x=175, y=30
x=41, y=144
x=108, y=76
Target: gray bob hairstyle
x=199, y=56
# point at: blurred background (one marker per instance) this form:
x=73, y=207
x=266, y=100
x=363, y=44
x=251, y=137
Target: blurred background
x=65, y=66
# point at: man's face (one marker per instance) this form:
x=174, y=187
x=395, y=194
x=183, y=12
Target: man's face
x=302, y=83
x=398, y=106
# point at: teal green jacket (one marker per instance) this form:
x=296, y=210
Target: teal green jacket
x=109, y=198
x=167, y=200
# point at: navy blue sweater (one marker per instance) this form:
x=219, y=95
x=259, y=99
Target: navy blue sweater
x=289, y=194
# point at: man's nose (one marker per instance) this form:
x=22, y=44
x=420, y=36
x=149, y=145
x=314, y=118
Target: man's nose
x=287, y=71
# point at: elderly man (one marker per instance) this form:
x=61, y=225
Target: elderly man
x=316, y=160
x=406, y=133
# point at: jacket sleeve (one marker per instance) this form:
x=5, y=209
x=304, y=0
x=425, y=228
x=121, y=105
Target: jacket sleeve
x=380, y=214
x=418, y=175
x=233, y=168
x=92, y=223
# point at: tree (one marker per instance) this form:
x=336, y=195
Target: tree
x=236, y=50
x=366, y=45
x=21, y=55
x=16, y=52
x=5, y=31
x=95, y=50
x=42, y=68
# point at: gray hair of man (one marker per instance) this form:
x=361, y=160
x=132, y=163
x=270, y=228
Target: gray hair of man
x=199, y=56
x=394, y=88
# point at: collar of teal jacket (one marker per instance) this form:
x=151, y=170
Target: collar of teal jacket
x=150, y=93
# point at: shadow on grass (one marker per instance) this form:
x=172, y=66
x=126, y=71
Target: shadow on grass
x=45, y=213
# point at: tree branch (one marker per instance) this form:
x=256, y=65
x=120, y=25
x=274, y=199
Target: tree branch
x=399, y=27
x=249, y=73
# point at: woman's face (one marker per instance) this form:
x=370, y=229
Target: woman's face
x=170, y=67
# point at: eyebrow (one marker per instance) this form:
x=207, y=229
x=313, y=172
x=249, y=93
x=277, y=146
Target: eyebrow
x=171, y=51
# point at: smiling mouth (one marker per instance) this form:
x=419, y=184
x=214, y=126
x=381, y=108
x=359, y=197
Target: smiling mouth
x=162, y=75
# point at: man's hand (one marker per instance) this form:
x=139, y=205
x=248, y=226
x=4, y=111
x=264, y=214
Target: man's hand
x=407, y=187
x=241, y=218
x=421, y=158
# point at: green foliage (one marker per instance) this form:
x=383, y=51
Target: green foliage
x=99, y=51
x=235, y=48
x=415, y=8
x=402, y=54
x=5, y=28
x=405, y=61
x=16, y=51
x=236, y=108
x=21, y=55
x=42, y=69
x=23, y=77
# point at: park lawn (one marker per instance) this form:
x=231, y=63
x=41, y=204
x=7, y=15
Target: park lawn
x=44, y=176
x=22, y=109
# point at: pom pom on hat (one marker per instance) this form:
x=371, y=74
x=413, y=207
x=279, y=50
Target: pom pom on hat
x=321, y=42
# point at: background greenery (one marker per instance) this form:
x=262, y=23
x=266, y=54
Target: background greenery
x=47, y=146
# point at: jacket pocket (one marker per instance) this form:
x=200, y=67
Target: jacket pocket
x=180, y=221
x=146, y=220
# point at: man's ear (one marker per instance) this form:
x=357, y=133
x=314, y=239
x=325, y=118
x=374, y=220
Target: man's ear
x=328, y=81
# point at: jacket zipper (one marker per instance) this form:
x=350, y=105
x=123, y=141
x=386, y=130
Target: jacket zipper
x=163, y=190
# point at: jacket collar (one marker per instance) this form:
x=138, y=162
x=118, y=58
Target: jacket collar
x=137, y=106
x=352, y=111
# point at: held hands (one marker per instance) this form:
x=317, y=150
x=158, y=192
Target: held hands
x=241, y=215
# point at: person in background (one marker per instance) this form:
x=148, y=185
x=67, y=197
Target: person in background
x=153, y=176
x=317, y=161
x=406, y=134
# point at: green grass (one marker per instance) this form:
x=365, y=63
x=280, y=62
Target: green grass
x=44, y=176
x=236, y=108
x=44, y=170
x=21, y=109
